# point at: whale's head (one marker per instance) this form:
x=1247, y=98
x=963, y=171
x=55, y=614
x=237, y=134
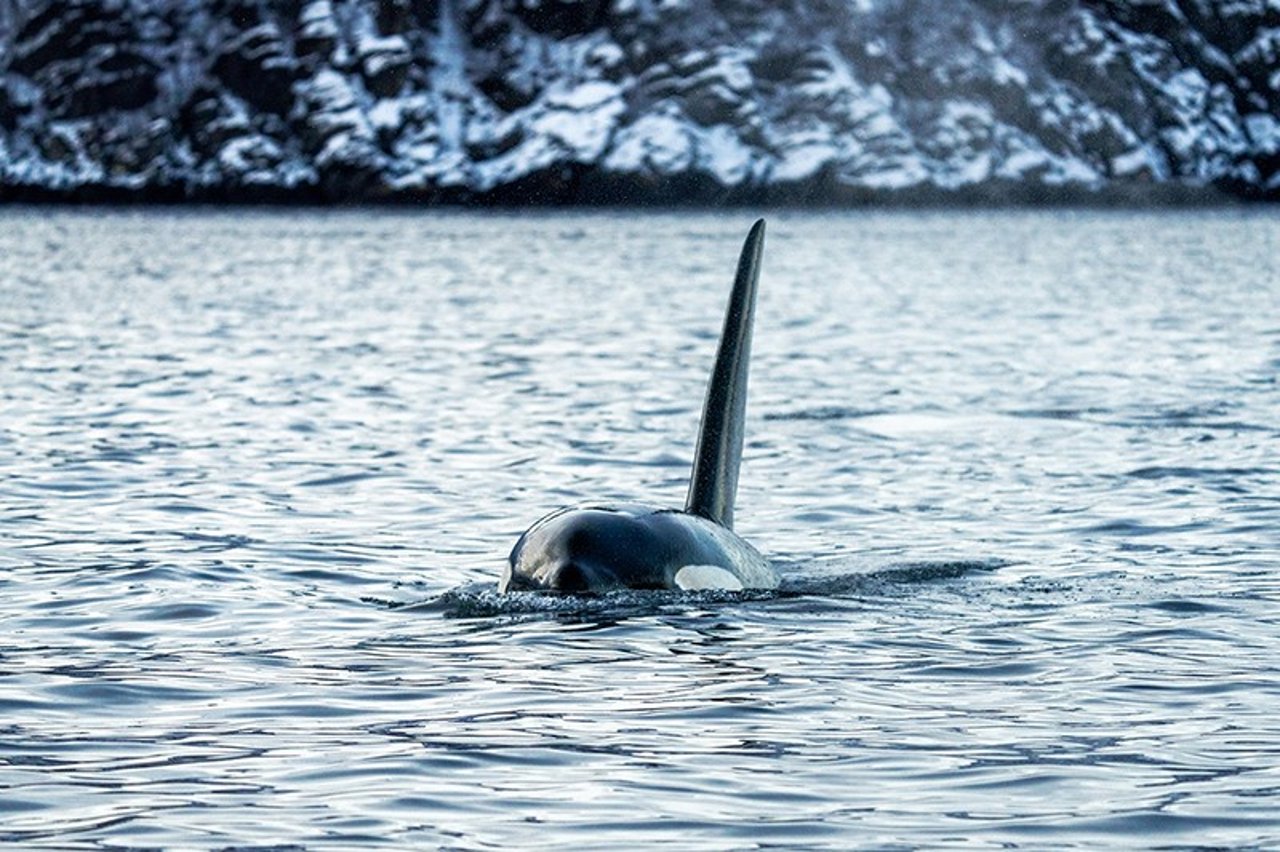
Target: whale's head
x=589, y=550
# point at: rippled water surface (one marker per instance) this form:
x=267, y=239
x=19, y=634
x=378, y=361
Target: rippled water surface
x=259, y=472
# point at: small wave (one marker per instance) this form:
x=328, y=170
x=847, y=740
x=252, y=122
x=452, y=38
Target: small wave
x=1131, y=528
x=216, y=543
x=341, y=479
x=1182, y=606
x=182, y=612
x=1056, y=413
x=1207, y=425
x=1211, y=418
x=1177, y=472
x=829, y=412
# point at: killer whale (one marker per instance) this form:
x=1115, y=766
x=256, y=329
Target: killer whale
x=599, y=548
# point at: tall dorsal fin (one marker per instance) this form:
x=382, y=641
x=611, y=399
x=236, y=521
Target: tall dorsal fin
x=714, y=481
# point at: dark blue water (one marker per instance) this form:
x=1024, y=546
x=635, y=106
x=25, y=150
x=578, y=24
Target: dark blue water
x=259, y=472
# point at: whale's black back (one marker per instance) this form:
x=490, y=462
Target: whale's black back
x=714, y=481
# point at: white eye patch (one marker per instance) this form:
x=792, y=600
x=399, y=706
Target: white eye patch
x=700, y=578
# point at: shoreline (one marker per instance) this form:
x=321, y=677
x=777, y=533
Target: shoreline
x=592, y=193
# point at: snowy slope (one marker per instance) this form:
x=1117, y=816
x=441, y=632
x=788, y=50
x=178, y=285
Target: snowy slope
x=618, y=101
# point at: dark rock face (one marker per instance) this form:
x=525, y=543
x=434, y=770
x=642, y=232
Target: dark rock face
x=82, y=56
x=256, y=65
x=560, y=18
x=538, y=101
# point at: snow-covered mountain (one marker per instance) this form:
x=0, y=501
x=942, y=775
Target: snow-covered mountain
x=629, y=101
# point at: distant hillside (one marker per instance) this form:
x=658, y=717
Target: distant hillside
x=639, y=101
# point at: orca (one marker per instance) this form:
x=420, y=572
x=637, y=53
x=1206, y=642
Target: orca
x=593, y=549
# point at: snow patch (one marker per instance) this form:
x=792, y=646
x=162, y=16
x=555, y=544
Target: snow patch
x=1264, y=132
x=658, y=143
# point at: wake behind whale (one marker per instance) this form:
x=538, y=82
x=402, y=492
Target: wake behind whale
x=811, y=585
x=597, y=548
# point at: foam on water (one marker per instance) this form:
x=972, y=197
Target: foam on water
x=482, y=600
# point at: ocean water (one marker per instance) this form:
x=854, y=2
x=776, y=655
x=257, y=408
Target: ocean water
x=259, y=471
